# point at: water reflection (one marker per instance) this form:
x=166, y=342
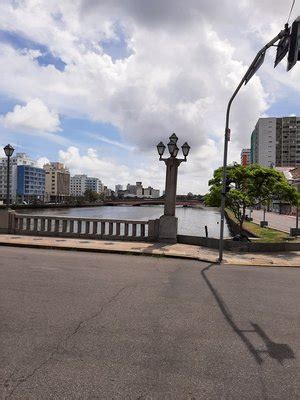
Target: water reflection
x=191, y=221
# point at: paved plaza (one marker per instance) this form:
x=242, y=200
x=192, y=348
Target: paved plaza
x=78, y=325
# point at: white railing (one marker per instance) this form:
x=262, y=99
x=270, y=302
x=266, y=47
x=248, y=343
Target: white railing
x=80, y=227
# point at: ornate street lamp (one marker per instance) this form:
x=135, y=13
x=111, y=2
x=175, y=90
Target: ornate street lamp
x=168, y=221
x=185, y=149
x=161, y=149
x=8, y=150
x=173, y=138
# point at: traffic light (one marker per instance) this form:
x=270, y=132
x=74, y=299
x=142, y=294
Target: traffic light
x=282, y=48
x=294, y=48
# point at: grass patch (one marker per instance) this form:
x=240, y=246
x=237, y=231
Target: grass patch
x=265, y=235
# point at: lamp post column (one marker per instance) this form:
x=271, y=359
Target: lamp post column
x=7, y=183
x=168, y=222
x=171, y=185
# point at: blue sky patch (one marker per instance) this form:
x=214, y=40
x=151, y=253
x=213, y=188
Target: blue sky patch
x=117, y=48
x=20, y=43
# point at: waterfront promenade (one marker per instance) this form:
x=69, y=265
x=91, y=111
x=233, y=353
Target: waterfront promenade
x=80, y=325
x=281, y=222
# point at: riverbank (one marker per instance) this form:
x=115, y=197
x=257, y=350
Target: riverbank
x=255, y=232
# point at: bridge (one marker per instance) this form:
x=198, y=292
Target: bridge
x=152, y=202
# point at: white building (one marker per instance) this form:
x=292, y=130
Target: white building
x=94, y=184
x=18, y=159
x=78, y=185
x=263, y=142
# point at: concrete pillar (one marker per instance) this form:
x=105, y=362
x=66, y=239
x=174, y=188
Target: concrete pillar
x=5, y=219
x=171, y=185
x=168, y=223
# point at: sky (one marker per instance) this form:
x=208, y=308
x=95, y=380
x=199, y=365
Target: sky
x=96, y=84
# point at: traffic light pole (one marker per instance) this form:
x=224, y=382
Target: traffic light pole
x=280, y=35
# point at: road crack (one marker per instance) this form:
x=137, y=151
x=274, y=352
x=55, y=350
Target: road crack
x=10, y=385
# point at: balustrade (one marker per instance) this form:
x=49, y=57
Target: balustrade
x=81, y=227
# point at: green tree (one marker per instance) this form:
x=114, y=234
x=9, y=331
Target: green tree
x=91, y=196
x=250, y=186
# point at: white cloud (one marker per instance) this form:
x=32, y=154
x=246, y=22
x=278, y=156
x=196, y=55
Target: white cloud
x=110, y=171
x=34, y=116
x=187, y=58
x=41, y=161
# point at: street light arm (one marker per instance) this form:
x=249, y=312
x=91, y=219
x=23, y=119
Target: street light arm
x=178, y=160
x=280, y=35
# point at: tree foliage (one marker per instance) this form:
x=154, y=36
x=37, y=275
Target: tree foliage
x=250, y=186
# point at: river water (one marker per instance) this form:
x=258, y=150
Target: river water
x=191, y=221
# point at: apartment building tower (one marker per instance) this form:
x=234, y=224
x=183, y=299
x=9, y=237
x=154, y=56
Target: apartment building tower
x=94, y=184
x=15, y=161
x=30, y=184
x=276, y=142
x=57, y=182
x=78, y=185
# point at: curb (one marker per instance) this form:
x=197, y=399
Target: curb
x=259, y=265
x=140, y=253
x=107, y=251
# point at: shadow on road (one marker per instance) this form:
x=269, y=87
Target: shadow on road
x=277, y=351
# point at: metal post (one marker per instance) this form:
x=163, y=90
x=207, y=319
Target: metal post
x=7, y=183
x=297, y=219
x=227, y=138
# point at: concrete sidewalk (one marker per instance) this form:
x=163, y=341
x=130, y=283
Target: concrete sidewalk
x=184, y=251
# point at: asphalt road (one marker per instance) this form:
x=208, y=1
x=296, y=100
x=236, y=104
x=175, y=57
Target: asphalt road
x=99, y=326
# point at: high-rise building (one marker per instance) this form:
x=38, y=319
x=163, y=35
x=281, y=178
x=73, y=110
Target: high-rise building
x=30, y=183
x=118, y=188
x=94, y=184
x=245, y=157
x=263, y=142
x=18, y=159
x=57, y=182
x=155, y=193
x=78, y=185
x=276, y=142
x=131, y=189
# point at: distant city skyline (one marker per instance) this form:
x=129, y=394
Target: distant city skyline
x=97, y=84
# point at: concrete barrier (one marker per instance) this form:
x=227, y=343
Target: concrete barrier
x=249, y=247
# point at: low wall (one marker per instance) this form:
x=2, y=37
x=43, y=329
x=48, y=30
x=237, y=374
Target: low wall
x=250, y=247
